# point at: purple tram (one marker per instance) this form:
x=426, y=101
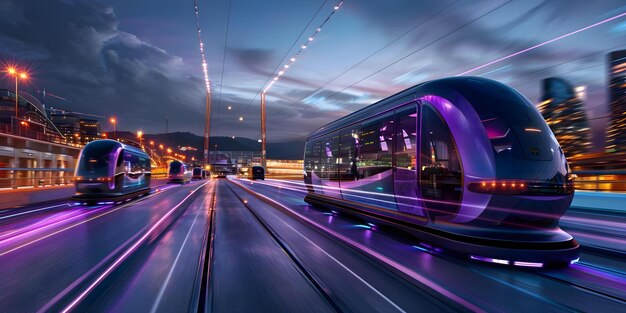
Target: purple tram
x=108, y=170
x=465, y=164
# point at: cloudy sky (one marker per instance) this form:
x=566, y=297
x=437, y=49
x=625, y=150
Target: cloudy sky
x=140, y=60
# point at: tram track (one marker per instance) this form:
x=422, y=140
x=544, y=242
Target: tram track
x=491, y=272
x=316, y=282
x=436, y=294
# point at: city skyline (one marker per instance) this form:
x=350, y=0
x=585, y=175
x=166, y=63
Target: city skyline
x=130, y=61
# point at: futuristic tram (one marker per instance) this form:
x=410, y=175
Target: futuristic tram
x=179, y=172
x=465, y=164
x=108, y=170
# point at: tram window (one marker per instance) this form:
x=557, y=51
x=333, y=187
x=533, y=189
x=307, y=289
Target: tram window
x=308, y=165
x=406, y=139
x=316, y=151
x=375, y=146
x=329, y=156
x=348, y=147
x=441, y=177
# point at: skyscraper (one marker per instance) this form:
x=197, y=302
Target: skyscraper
x=616, y=133
x=562, y=108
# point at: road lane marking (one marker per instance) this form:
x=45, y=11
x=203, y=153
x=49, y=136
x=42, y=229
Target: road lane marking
x=37, y=210
x=407, y=271
x=125, y=255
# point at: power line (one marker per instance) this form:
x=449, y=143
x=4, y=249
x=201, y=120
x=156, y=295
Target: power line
x=205, y=69
x=544, y=43
x=282, y=60
x=406, y=56
x=422, y=22
x=219, y=99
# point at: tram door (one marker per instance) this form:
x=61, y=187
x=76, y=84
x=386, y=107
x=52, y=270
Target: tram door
x=406, y=171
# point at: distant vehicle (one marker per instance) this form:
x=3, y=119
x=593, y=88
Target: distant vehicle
x=220, y=173
x=205, y=174
x=108, y=170
x=178, y=172
x=221, y=165
x=197, y=173
x=466, y=164
x=256, y=172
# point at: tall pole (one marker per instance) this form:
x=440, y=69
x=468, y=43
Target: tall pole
x=263, y=131
x=16, y=98
x=207, y=127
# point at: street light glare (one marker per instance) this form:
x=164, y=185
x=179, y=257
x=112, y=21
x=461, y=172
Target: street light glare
x=23, y=76
x=11, y=70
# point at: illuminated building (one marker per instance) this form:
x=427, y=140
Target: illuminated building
x=68, y=123
x=616, y=133
x=75, y=129
x=89, y=130
x=562, y=108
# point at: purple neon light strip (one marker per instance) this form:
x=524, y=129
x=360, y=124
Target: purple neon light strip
x=527, y=264
x=422, y=279
x=543, y=43
x=123, y=257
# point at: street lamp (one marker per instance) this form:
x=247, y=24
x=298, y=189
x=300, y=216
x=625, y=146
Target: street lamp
x=140, y=136
x=12, y=71
x=113, y=121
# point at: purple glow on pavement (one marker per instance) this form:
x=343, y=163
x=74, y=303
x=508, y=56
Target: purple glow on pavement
x=422, y=279
x=128, y=252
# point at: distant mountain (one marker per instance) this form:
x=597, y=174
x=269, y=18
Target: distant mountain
x=293, y=150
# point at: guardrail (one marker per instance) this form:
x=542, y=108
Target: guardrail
x=35, y=177
x=13, y=178
x=40, y=177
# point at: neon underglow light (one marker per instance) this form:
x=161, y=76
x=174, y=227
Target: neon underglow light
x=420, y=248
x=544, y=43
x=489, y=260
x=527, y=264
x=574, y=261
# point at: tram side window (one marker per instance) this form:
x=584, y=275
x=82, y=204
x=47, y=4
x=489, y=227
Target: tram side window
x=406, y=137
x=308, y=162
x=441, y=177
x=348, y=148
x=376, y=145
x=329, y=155
x=316, y=151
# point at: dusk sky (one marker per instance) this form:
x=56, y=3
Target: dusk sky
x=140, y=59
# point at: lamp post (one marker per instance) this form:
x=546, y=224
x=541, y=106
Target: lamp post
x=18, y=76
x=140, y=136
x=113, y=121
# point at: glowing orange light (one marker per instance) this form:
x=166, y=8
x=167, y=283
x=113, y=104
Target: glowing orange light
x=11, y=70
x=23, y=75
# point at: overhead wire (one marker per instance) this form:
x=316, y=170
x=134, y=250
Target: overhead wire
x=405, y=57
x=282, y=60
x=419, y=24
x=219, y=97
